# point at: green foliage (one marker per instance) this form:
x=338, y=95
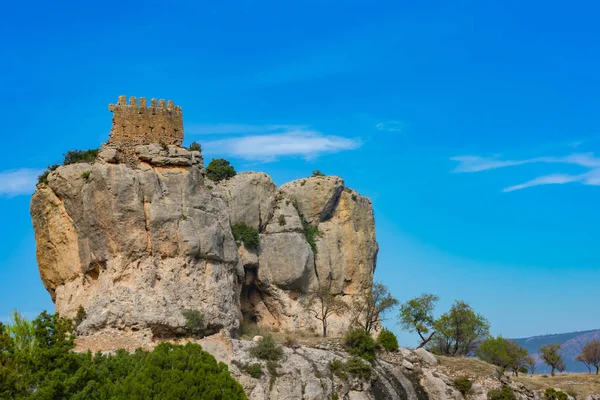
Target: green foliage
x=358, y=368
x=552, y=394
x=267, y=349
x=504, y=393
x=506, y=354
x=416, y=315
x=463, y=384
x=43, y=177
x=80, y=156
x=219, y=169
x=195, y=146
x=338, y=368
x=549, y=353
x=53, y=371
x=194, y=321
x=316, y=172
x=81, y=315
x=247, y=234
x=387, y=340
x=22, y=332
x=281, y=219
x=254, y=370
x=359, y=342
x=590, y=355
x=459, y=331
x=354, y=198
x=310, y=231
x=86, y=175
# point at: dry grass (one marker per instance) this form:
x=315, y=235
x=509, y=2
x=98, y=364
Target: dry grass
x=579, y=385
x=459, y=366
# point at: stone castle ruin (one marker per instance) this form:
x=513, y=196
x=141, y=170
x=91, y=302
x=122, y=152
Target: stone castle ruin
x=135, y=124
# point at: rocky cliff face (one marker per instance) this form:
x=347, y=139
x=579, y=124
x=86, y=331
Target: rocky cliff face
x=137, y=242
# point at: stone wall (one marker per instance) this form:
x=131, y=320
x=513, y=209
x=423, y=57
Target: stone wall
x=135, y=125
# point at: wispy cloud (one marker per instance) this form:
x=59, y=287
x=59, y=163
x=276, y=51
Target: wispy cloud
x=391, y=126
x=266, y=148
x=230, y=129
x=18, y=181
x=585, y=160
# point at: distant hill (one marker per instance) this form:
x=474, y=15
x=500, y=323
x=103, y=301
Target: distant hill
x=571, y=343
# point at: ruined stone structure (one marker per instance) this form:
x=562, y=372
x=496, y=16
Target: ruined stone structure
x=135, y=125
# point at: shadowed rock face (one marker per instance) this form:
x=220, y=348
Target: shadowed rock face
x=137, y=242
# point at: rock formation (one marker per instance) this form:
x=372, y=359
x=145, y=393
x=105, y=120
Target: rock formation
x=141, y=234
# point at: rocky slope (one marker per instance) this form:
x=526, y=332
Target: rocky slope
x=137, y=242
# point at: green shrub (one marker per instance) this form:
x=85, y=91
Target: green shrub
x=282, y=221
x=194, y=321
x=316, y=172
x=247, y=234
x=338, y=368
x=310, y=231
x=358, y=368
x=254, y=370
x=43, y=177
x=80, y=156
x=552, y=394
x=267, y=349
x=354, y=198
x=51, y=370
x=81, y=315
x=359, y=342
x=387, y=340
x=195, y=146
x=219, y=169
x=86, y=175
x=504, y=393
x=463, y=384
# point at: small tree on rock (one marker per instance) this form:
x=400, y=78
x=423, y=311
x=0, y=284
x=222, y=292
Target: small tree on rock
x=323, y=304
x=369, y=310
x=219, y=169
x=416, y=315
x=550, y=354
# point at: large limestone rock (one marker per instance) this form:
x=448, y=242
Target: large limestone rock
x=141, y=235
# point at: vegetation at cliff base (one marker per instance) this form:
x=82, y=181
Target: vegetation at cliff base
x=246, y=234
x=219, y=169
x=37, y=362
x=359, y=342
x=387, y=340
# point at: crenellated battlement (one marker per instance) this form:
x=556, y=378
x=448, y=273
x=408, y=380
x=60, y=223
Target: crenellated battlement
x=136, y=124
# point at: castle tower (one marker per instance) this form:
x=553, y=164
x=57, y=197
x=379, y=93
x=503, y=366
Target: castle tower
x=136, y=125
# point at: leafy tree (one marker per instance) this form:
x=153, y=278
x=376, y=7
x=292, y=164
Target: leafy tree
x=219, y=169
x=506, y=354
x=550, y=354
x=369, y=309
x=323, y=304
x=359, y=342
x=585, y=362
x=590, y=354
x=194, y=321
x=531, y=364
x=387, y=340
x=416, y=315
x=21, y=331
x=247, y=234
x=459, y=331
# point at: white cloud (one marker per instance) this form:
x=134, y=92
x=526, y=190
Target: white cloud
x=269, y=147
x=18, y=182
x=221, y=129
x=585, y=160
x=391, y=126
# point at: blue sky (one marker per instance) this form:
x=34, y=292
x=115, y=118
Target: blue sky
x=472, y=126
